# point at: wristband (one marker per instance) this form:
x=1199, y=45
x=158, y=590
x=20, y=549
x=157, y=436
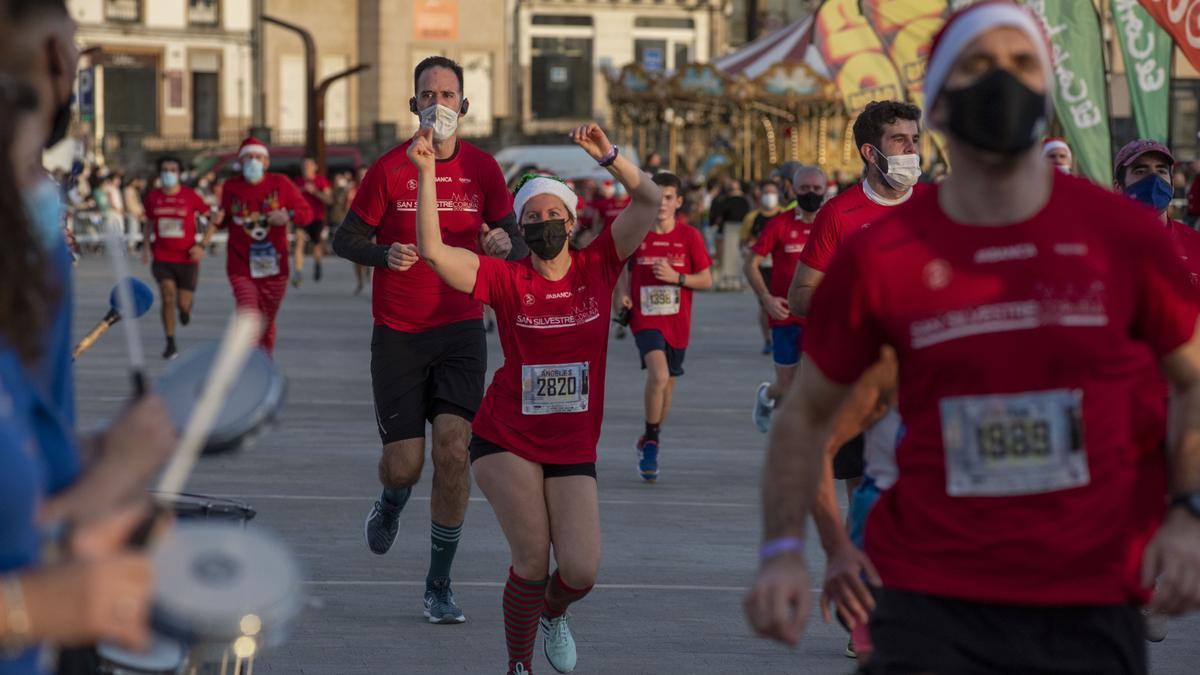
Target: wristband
x=779, y=546
x=609, y=157
x=18, y=627
x=682, y=280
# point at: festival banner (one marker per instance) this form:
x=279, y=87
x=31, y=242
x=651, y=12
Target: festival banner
x=906, y=29
x=1181, y=18
x=1147, y=49
x=857, y=62
x=1080, y=100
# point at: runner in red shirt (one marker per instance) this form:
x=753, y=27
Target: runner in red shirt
x=428, y=349
x=671, y=264
x=256, y=208
x=783, y=240
x=172, y=211
x=1056, y=151
x=318, y=193
x=534, y=444
x=602, y=212
x=1015, y=297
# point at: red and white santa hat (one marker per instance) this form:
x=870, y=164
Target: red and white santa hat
x=1055, y=143
x=252, y=145
x=969, y=23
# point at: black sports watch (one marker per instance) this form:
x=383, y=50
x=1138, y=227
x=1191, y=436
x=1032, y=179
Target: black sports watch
x=1190, y=502
x=682, y=280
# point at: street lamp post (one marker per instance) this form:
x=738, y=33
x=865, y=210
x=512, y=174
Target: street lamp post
x=319, y=101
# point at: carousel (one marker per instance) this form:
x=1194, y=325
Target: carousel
x=741, y=115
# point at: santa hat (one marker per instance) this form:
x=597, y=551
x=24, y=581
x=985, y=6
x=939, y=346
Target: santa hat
x=252, y=145
x=969, y=23
x=1054, y=143
x=534, y=184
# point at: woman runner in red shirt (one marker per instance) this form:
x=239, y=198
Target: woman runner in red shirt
x=534, y=444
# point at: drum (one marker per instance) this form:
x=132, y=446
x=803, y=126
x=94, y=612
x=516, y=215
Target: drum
x=220, y=588
x=187, y=506
x=166, y=657
x=253, y=402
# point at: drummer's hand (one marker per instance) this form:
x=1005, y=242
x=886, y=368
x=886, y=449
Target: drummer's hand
x=84, y=602
x=108, y=534
x=132, y=450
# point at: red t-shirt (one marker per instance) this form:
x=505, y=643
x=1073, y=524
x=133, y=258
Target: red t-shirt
x=1018, y=477
x=546, y=402
x=471, y=191
x=255, y=249
x=606, y=209
x=666, y=307
x=783, y=238
x=314, y=203
x=849, y=212
x=173, y=224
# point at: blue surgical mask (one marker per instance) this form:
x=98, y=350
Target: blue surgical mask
x=44, y=207
x=169, y=179
x=1153, y=191
x=252, y=170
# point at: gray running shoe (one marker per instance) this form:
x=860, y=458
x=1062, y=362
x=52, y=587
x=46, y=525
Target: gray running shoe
x=383, y=522
x=763, y=407
x=558, y=643
x=439, y=603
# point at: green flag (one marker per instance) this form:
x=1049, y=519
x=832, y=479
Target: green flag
x=1080, y=99
x=1146, y=48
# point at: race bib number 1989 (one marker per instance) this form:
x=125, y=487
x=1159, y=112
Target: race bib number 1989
x=560, y=388
x=1014, y=444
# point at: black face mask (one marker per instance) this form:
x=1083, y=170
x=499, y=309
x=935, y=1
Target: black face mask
x=547, y=238
x=997, y=114
x=810, y=201
x=62, y=122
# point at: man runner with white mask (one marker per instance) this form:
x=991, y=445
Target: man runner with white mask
x=1016, y=299
x=428, y=351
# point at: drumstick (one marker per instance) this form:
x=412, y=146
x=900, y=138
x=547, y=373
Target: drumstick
x=240, y=338
x=114, y=244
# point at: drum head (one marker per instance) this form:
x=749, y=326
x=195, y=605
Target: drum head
x=165, y=656
x=188, y=506
x=252, y=402
x=213, y=578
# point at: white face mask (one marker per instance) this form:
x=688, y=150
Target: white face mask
x=769, y=200
x=1065, y=168
x=903, y=171
x=441, y=119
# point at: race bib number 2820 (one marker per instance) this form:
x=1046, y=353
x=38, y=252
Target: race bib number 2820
x=558, y=388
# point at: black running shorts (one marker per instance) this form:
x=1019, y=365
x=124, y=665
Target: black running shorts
x=314, y=230
x=185, y=275
x=650, y=340
x=849, y=461
x=916, y=633
x=418, y=376
x=481, y=447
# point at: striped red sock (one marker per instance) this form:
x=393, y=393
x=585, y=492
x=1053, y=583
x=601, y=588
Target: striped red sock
x=522, y=604
x=559, y=596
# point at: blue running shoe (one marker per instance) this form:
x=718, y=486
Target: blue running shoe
x=648, y=459
x=439, y=603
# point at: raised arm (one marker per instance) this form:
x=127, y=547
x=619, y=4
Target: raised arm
x=635, y=221
x=458, y=267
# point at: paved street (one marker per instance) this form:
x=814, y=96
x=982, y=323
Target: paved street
x=677, y=554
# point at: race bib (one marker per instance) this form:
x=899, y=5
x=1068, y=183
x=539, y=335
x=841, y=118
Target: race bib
x=170, y=228
x=560, y=388
x=660, y=300
x=1014, y=444
x=264, y=260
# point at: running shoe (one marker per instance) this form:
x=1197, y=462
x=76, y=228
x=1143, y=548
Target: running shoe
x=297, y=279
x=766, y=350
x=518, y=669
x=1156, y=625
x=620, y=332
x=316, y=271
x=849, y=651
x=648, y=459
x=184, y=317
x=383, y=522
x=439, y=603
x=170, y=352
x=763, y=407
x=558, y=643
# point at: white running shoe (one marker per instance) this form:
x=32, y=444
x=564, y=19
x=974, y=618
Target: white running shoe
x=558, y=643
x=1156, y=625
x=763, y=407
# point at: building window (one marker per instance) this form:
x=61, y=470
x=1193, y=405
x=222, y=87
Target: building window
x=682, y=55
x=652, y=54
x=1185, y=116
x=663, y=22
x=204, y=12
x=123, y=10
x=562, y=78
x=562, y=20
